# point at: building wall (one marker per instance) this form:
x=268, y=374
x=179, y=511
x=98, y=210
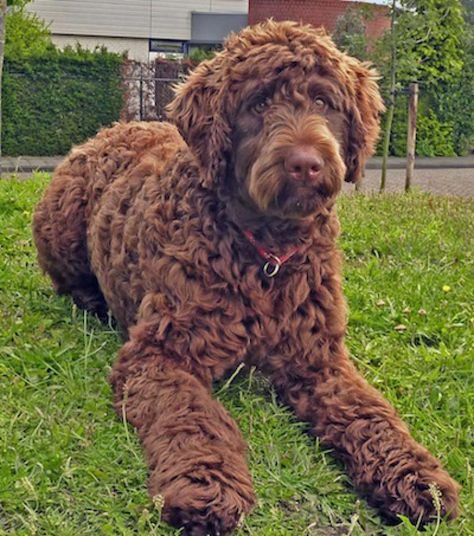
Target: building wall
x=316, y=12
x=171, y=19
x=159, y=19
x=105, y=18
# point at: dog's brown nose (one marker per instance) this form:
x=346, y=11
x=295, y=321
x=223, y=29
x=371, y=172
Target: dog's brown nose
x=303, y=163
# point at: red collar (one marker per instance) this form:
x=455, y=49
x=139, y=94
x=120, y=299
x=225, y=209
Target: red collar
x=274, y=262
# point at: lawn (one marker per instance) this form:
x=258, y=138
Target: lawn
x=69, y=466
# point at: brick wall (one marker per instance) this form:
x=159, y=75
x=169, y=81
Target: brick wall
x=316, y=12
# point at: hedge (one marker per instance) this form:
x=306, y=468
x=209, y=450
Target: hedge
x=445, y=123
x=433, y=136
x=55, y=101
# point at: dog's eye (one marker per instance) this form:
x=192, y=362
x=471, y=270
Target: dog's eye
x=320, y=103
x=261, y=105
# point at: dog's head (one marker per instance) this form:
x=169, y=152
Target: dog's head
x=281, y=117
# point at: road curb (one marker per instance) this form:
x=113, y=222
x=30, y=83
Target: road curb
x=423, y=165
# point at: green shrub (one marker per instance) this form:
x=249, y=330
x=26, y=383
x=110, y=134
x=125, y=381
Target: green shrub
x=455, y=103
x=434, y=137
x=350, y=32
x=435, y=46
x=201, y=54
x=437, y=134
x=25, y=33
x=398, y=140
x=53, y=101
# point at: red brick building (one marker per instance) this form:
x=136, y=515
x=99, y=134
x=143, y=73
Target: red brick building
x=318, y=12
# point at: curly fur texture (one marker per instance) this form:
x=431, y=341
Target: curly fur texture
x=148, y=222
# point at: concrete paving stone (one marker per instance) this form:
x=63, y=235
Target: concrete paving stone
x=453, y=181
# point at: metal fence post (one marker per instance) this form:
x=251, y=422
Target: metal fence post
x=141, y=93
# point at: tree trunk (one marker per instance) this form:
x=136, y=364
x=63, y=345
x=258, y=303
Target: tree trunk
x=391, y=106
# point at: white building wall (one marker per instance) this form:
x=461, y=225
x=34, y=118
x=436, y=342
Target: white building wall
x=159, y=19
x=112, y=18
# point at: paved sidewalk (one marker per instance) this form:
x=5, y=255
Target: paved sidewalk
x=440, y=181
x=441, y=175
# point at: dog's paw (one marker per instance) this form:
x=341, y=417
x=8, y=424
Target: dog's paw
x=209, y=506
x=425, y=496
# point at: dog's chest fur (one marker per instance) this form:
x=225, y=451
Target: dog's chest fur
x=182, y=262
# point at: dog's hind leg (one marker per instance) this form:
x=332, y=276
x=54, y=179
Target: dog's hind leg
x=59, y=230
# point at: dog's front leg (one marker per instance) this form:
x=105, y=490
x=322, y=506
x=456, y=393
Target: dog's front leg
x=386, y=464
x=194, y=449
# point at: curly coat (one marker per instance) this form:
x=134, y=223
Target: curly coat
x=152, y=224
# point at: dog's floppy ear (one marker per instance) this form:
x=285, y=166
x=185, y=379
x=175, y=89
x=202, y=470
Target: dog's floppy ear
x=364, y=120
x=199, y=112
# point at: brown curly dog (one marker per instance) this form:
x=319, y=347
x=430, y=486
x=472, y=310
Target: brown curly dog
x=218, y=248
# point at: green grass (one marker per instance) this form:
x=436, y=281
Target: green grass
x=69, y=466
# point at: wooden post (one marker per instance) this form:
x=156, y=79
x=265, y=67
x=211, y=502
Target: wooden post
x=411, y=134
